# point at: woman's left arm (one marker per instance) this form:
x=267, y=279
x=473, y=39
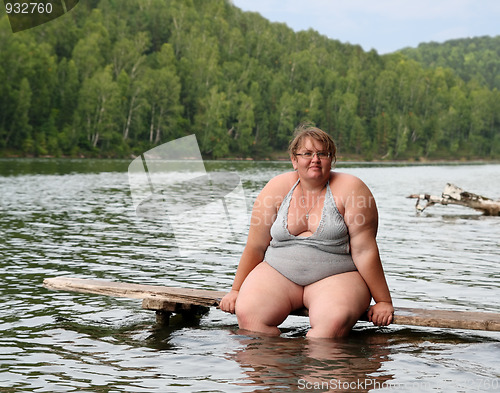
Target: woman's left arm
x=361, y=218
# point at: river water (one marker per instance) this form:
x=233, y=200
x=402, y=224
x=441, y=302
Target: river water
x=76, y=218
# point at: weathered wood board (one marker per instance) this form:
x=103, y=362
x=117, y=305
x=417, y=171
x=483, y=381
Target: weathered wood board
x=166, y=300
x=197, y=297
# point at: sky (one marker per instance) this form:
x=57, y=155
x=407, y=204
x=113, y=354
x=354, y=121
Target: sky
x=384, y=25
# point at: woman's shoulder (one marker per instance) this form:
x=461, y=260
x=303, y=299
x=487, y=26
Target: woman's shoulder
x=345, y=178
x=348, y=184
x=281, y=184
x=284, y=178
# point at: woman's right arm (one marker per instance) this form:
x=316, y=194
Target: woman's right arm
x=259, y=236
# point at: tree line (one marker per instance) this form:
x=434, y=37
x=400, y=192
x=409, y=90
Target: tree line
x=471, y=58
x=114, y=78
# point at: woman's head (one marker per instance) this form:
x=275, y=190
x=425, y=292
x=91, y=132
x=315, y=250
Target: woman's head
x=304, y=131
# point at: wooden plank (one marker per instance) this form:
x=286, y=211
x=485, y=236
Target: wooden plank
x=185, y=300
x=447, y=319
x=197, y=297
x=162, y=303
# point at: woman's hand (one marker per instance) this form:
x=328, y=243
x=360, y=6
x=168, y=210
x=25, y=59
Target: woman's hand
x=381, y=314
x=228, y=302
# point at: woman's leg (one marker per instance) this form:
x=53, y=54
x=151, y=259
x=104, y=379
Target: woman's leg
x=265, y=299
x=335, y=303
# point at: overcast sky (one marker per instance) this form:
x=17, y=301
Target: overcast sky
x=384, y=25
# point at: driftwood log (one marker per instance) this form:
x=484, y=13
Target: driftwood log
x=168, y=300
x=453, y=195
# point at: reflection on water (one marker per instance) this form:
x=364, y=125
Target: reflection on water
x=381, y=359
x=305, y=364
x=76, y=217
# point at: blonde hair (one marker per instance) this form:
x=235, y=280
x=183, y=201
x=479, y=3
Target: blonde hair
x=306, y=130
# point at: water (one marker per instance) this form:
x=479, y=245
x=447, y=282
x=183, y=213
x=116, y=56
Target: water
x=75, y=217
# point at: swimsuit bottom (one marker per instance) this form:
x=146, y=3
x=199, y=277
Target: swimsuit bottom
x=305, y=265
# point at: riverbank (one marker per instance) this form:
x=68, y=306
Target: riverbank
x=280, y=156
x=341, y=160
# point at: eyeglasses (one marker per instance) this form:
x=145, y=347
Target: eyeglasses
x=309, y=155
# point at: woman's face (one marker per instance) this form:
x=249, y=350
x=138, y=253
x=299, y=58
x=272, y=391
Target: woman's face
x=315, y=167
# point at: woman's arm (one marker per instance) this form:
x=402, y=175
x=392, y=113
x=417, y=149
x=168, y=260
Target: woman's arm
x=263, y=215
x=361, y=218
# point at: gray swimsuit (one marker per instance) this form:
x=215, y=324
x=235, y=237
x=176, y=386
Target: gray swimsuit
x=305, y=260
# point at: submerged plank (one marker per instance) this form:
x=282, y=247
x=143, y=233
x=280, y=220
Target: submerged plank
x=197, y=297
x=171, y=299
x=447, y=319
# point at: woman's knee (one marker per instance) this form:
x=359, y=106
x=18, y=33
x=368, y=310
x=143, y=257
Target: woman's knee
x=255, y=317
x=256, y=310
x=246, y=311
x=336, y=323
x=267, y=296
x=259, y=313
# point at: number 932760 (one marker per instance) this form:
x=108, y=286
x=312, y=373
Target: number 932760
x=28, y=8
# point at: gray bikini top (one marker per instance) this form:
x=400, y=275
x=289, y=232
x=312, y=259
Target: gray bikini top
x=331, y=235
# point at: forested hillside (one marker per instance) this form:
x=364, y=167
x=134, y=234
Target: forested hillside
x=471, y=58
x=113, y=78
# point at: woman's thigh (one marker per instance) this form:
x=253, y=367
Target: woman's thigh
x=268, y=296
x=345, y=293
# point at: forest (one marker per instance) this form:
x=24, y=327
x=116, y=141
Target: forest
x=114, y=78
x=471, y=58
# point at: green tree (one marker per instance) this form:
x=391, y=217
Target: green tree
x=162, y=88
x=66, y=91
x=98, y=107
x=128, y=66
x=482, y=130
x=19, y=133
x=242, y=131
x=210, y=124
x=91, y=51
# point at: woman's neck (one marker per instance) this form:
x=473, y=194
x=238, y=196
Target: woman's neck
x=313, y=186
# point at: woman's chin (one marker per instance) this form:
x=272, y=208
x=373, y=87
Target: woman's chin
x=315, y=172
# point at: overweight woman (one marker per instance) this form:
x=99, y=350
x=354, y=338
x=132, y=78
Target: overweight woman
x=311, y=243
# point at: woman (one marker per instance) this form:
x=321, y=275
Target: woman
x=311, y=244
